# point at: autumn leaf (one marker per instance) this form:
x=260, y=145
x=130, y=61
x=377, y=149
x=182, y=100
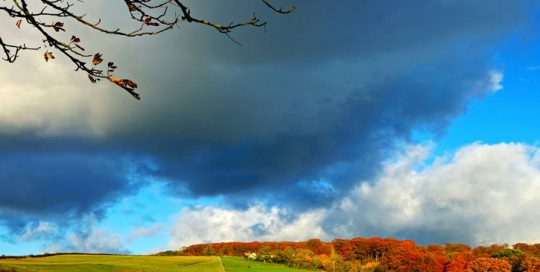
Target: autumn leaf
x=92, y=79
x=148, y=21
x=123, y=82
x=58, y=26
x=130, y=83
x=47, y=56
x=126, y=84
x=111, y=67
x=97, y=59
x=75, y=39
x=115, y=80
x=18, y=23
x=132, y=7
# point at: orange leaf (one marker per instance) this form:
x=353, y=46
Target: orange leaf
x=97, y=59
x=47, y=56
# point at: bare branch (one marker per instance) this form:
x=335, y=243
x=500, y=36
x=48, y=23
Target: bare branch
x=48, y=17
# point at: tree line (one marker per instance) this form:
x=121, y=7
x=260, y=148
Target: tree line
x=378, y=254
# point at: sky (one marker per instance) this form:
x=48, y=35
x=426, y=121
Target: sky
x=415, y=120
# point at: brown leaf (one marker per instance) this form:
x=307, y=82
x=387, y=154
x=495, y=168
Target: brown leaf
x=92, y=79
x=130, y=83
x=111, y=65
x=58, y=26
x=126, y=84
x=47, y=56
x=132, y=7
x=18, y=23
x=97, y=59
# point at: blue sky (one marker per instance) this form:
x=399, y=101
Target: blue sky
x=508, y=115
x=415, y=121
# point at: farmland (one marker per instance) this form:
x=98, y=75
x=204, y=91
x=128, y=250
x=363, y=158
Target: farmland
x=117, y=263
x=113, y=263
x=235, y=264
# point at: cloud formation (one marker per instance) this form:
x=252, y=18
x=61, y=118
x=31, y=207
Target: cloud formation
x=317, y=108
x=140, y=232
x=257, y=223
x=481, y=194
x=294, y=118
x=88, y=238
x=58, y=186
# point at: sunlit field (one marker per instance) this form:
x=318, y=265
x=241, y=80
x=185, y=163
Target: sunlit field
x=117, y=263
x=113, y=263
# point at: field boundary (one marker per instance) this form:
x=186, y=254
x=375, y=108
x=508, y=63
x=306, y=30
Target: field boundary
x=220, y=262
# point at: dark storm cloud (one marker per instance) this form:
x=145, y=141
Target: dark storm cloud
x=323, y=94
x=59, y=187
x=299, y=113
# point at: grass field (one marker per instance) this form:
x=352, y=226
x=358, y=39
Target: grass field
x=233, y=264
x=110, y=263
x=115, y=263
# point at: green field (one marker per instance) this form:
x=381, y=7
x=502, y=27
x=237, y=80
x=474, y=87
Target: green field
x=233, y=264
x=116, y=263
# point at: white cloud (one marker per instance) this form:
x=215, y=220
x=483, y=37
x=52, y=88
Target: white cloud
x=90, y=239
x=55, y=101
x=496, y=79
x=39, y=231
x=140, y=232
x=481, y=194
x=215, y=224
x=490, y=82
x=96, y=241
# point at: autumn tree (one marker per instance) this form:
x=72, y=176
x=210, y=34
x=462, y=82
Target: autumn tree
x=490, y=265
x=459, y=261
x=209, y=251
x=530, y=264
x=410, y=257
x=52, y=20
x=383, y=255
x=512, y=256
